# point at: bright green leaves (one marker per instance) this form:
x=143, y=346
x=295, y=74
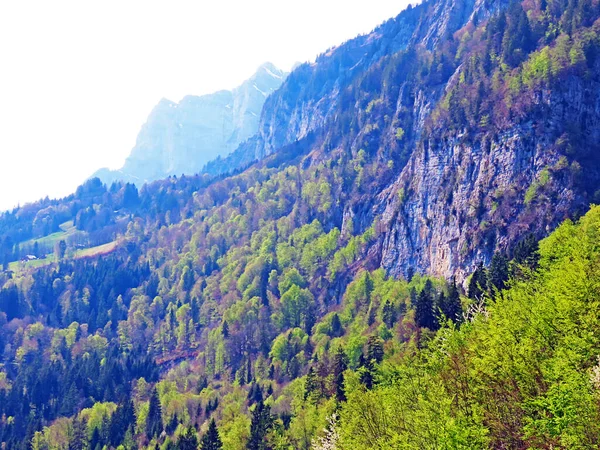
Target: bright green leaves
x=298, y=308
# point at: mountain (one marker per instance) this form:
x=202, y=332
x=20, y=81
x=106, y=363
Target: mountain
x=180, y=138
x=506, y=145
x=403, y=256
x=311, y=96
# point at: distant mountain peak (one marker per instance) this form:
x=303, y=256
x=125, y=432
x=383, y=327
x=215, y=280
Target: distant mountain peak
x=271, y=70
x=180, y=138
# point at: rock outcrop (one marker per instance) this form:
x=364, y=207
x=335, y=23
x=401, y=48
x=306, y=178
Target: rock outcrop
x=310, y=96
x=456, y=196
x=468, y=196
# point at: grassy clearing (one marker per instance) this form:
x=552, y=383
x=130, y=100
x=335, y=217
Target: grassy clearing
x=98, y=250
x=20, y=266
x=67, y=230
x=17, y=266
x=67, y=226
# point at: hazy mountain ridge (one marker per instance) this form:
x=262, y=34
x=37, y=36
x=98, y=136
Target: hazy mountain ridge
x=179, y=138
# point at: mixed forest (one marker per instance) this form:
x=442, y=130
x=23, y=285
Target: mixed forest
x=248, y=310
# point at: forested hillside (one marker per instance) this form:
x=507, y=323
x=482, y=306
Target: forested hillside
x=462, y=126
x=372, y=281
x=521, y=371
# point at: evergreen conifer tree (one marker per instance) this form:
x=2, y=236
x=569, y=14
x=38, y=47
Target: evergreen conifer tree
x=339, y=366
x=261, y=424
x=424, y=313
x=375, y=348
x=154, y=424
x=336, y=326
x=211, y=440
x=388, y=314
x=188, y=440
x=478, y=283
x=498, y=272
x=450, y=305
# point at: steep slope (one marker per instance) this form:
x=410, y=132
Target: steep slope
x=522, y=372
x=311, y=94
x=473, y=133
x=179, y=138
x=520, y=158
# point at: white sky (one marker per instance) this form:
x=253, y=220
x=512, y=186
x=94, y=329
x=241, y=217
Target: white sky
x=78, y=78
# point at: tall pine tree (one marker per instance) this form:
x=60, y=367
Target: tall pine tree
x=336, y=326
x=154, y=424
x=498, y=272
x=188, y=440
x=79, y=439
x=375, y=348
x=526, y=253
x=121, y=420
x=478, y=283
x=388, y=314
x=424, y=313
x=261, y=424
x=450, y=305
x=211, y=440
x=339, y=367
x=312, y=391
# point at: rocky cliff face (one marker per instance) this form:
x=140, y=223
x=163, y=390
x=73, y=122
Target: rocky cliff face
x=463, y=197
x=453, y=197
x=444, y=198
x=179, y=138
x=310, y=96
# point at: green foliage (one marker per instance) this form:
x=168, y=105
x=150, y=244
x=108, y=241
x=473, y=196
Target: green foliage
x=261, y=425
x=449, y=305
x=498, y=272
x=522, y=372
x=399, y=134
x=531, y=192
x=318, y=195
x=287, y=351
x=95, y=416
x=349, y=254
x=401, y=195
x=189, y=441
x=319, y=251
x=340, y=364
x=297, y=305
x=424, y=309
x=478, y=283
x=372, y=104
x=291, y=277
x=211, y=439
x=154, y=422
